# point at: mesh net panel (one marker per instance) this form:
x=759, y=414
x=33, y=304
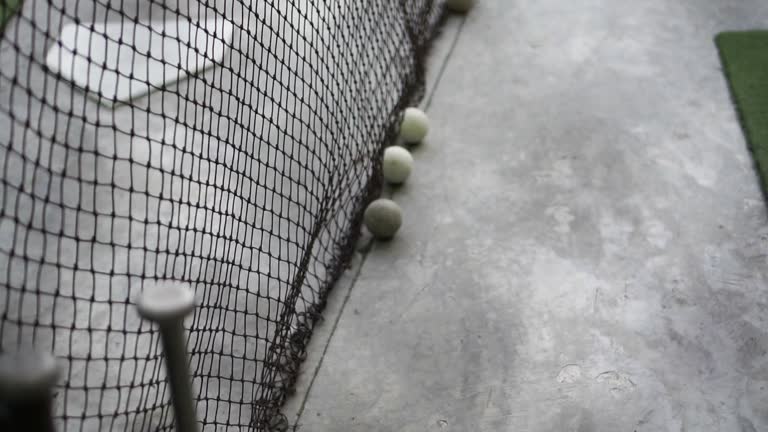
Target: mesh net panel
x=229, y=144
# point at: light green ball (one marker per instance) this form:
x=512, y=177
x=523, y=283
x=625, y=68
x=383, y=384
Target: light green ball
x=460, y=6
x=397, y=165
x=415, y=125
x=383, y=218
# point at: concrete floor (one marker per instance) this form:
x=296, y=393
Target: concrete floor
x=585, y=241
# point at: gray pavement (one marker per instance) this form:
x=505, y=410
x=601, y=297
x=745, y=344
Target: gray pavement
x=584, y=246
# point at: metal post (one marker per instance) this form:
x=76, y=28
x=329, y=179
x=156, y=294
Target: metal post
x=167, y=303
x=27, y=379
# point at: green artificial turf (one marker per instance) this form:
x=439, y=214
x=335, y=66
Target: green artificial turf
x=745, y=61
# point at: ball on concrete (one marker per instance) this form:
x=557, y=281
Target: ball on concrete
x=415, y=125
x=383, y=218
x=460, y=6
x=397, y=165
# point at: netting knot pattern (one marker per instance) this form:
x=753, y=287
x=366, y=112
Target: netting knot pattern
x=228, y=144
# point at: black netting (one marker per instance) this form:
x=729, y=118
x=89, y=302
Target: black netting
x=226, y=143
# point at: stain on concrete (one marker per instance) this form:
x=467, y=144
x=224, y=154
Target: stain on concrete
x=569, y=374
x=618, y=383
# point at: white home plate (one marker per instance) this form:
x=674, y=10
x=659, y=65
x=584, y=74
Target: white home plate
x=122, y=60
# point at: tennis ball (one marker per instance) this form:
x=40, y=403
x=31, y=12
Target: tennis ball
x=383, y=218
x=397, y=165
x=415, y=125
x=460, y=6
